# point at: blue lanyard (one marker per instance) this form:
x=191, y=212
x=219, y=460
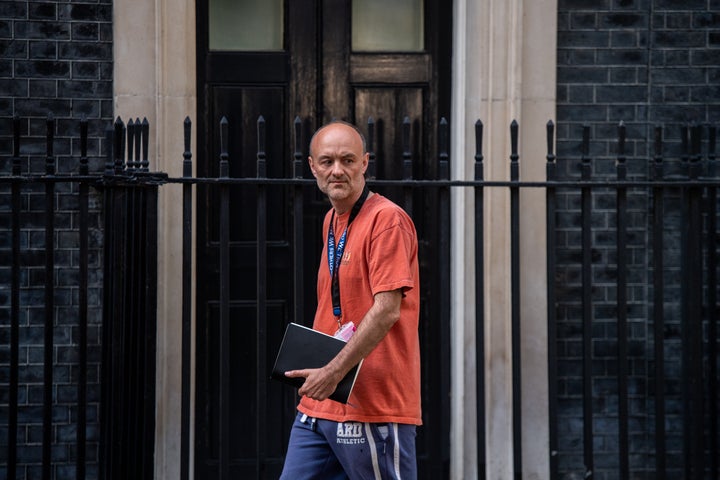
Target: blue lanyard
x=335, y=253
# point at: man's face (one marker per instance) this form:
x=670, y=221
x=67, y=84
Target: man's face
x=338, y=163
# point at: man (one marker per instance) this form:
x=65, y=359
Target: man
x=370, y=279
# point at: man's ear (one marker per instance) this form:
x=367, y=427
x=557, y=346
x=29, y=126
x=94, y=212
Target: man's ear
x=312, y=166
x=366, y=161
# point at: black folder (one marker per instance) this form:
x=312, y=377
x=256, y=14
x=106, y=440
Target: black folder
x=303, y=347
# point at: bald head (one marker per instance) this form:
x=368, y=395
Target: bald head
x=336, y=123
x=338, y=161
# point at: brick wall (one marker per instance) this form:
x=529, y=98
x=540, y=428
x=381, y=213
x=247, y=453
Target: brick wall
x=55, y=57
x=646, y=63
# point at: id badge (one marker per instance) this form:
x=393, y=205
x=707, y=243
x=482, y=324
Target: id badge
x=345, y=331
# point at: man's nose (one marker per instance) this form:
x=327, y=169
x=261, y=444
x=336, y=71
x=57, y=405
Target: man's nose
x=336, y=168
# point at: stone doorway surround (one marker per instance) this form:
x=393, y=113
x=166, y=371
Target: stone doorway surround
x=504, y=68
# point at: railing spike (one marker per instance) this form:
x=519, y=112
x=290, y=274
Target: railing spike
x=83, y=145
x=297, y=151
x=131, y=138
x=514, y=141
x=187, y=153
x=50, y=137
x=224, y=168
x=478, y=140
x=443, y=140
x=550, y=138
x=585, y=148
x=371, y=147
x=261, y=164
x=16, y=146
x=145, y=165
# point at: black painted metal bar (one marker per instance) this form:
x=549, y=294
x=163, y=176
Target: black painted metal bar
x=587, y=314
x=119, y=146
x=106, y=371
x=139, y=136
x=407, y=165
x=442, y=449
x=692, y=323
x=145, y=165
x=82, y=306
x=224, y=298
x=480, y=302
x=621, y=307
x=148, y=329
x=131, y=141
x=48, y=344
x=659, y=308
x=14, y=307
x=298, y=229
x=371, y=150
x=261, y=312
x=187, y=293
x=515, y=301
x=551, y=207
x=132, y=330
x=712, y=309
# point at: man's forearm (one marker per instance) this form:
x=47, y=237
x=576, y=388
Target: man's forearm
x=376, y=323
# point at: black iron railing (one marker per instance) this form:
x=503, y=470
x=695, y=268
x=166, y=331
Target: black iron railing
x=129, y=192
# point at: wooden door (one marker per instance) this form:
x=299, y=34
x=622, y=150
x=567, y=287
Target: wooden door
x=316, y=76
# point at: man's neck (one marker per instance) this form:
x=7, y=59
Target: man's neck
x=344, y=206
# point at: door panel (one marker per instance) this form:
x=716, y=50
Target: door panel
x=389, y=107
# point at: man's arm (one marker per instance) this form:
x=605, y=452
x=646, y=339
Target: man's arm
x=321, y=382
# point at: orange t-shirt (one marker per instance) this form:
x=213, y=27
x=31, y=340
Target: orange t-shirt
x=380, y=255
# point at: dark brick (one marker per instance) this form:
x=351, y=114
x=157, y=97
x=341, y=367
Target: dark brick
x=714, y=39
x=685, y=5
x=678, y=20
x=577, y=57
x=43, y=88
x=622, y=56
x=705, y=57
x=5, y=29
x=585, y=38
x=624, y=39
x=706, y=20
x=85, y=31
x=85, y=70
x=79, y=11
x=14, y=88
x=43, y=50
x=88, y=89
x=13, y=49
x=42, y=30
x=42, y=68
x=582, y=21
x=42, y=11
x=85, y=51
x=679, y=39
x=676, y=58
x=16, y=10
x=583, y=75
x=625, y=75
x=677, y=76
x=564, y=5
x=705, y=94
x=42, y=107
x=626, y=94
x=623, y=20
x=580, y=93
x=676, y=94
